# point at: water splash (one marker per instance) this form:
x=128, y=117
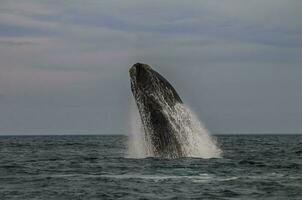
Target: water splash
x=194, y=138
x=137, y=145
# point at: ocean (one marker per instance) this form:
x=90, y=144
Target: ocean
x=97, y=167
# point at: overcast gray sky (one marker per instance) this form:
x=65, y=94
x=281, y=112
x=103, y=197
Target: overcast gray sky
x=64, y=64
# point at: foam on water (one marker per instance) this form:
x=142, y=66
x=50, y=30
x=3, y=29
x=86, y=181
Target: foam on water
x=193, y=136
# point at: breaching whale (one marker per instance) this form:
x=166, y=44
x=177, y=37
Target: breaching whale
x=156, y=98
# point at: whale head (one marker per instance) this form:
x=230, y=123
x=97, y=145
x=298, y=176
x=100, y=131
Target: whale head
x=154, y=97
x=148, y=83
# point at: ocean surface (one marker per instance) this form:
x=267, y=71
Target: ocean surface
x=96, y=167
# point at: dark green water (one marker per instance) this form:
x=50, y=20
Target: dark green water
x=94, y=167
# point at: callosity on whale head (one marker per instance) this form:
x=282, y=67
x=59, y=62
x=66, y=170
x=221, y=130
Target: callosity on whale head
x=155, y=99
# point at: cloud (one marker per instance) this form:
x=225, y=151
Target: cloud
x=212, y=51
x=29, y=81
x=13, y=41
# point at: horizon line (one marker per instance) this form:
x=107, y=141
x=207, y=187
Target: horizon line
x=96, y=134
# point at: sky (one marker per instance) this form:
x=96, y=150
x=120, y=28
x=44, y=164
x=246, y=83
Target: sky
x=64, y=64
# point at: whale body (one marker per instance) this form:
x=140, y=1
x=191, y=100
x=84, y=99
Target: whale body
x=156, y=99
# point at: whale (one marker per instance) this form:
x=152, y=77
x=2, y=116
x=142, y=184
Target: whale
x=156, y=99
